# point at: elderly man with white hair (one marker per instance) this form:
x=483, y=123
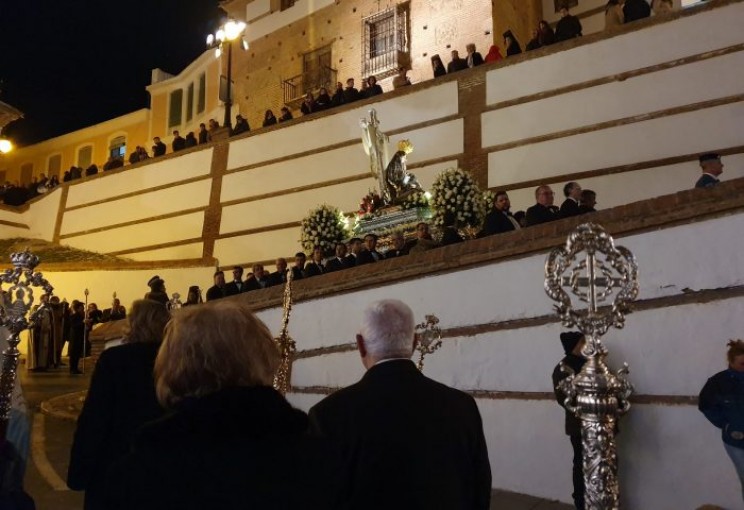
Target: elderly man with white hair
x=411, y=442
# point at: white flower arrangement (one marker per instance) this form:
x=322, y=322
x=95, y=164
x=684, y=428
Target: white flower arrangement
x=416, y=200
x=324, y=226
x=489, y=198
x=455, y=191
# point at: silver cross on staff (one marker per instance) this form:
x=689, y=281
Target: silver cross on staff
x=592, y=268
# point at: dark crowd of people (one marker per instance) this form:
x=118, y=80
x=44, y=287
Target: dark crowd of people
x=183, y=415
x=63, y=323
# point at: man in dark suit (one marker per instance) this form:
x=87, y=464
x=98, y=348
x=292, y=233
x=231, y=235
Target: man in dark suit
x=279, y=277
x=351, y=93
x=544, y=210
x=410, y=441
x=298, y=270
x=237, y=285
x=159, y=148
x=217, y=291
x=587, y=202
x=179, y=142
x=338, y=262
x=359, y=254
x=570, y=206
x=457, y=63
x=399, y=246
x=258, y=280
x=315, y=267
x=474, y=58
x=712, y=168
x=370, y=242
x=500, y=219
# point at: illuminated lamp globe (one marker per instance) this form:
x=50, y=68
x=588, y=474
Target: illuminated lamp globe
x=5, y=146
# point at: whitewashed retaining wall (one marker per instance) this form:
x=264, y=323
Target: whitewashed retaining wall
x=671, y=457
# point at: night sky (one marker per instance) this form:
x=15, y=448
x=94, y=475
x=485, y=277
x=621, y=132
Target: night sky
x=73, y=63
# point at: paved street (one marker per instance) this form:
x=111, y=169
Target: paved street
x=51, y=438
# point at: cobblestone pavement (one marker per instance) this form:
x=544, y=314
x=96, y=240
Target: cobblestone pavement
x=55, y=399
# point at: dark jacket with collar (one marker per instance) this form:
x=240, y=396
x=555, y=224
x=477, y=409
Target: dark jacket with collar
x=539, y=213
x=232, y=288
x=243, y=447
x=397, y=419
x=121, y=398
x=706, y=181
x=722, y=402
x=569, y=207
x=496, y=222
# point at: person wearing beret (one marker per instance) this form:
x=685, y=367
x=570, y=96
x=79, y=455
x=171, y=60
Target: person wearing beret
x=712, y=168
x=573, y=342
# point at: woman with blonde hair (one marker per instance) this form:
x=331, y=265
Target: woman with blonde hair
x=722, y=402
x=121, y=398
x=230, y=440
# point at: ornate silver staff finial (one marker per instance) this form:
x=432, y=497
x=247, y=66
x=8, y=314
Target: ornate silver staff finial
x=592, y=269
x=284, y=343
x=174, y=303
x=17, y=300
x=428, y=338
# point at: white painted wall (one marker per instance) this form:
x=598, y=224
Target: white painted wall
x=625, y=52
x=692, y=132
x=671, y=351
x=168, y=171
x=629, y=187
x=429, y=104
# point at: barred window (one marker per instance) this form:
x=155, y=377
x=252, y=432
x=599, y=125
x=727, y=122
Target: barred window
x=385, y=41
x=174, y=113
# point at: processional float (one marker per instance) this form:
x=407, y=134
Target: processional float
x=604, y=277
x=17, y=301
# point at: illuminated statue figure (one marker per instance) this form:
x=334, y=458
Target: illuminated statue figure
x=399, y=180
x=375, y=145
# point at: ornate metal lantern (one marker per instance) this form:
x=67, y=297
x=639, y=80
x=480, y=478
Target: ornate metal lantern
x=17, y=301
x=591, y=268
x=428, y=338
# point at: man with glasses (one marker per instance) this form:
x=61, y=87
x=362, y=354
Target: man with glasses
x=544, y=210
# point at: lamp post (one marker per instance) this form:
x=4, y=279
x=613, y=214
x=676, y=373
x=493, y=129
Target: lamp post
x=225, y=36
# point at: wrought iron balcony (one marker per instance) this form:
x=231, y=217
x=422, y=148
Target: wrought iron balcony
x=296, y=87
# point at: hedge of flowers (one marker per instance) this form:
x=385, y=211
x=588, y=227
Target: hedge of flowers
x=455, y=191
x=324, y=226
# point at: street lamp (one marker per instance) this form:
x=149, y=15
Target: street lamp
x=226, y=35
x=5, y=146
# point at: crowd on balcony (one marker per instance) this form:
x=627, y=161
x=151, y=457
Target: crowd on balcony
x=617, y=12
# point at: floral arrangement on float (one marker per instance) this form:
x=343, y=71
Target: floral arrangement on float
x=489, y=199
x=456, y=191
x=324, y=226
x=371, y=203
x=418, y=200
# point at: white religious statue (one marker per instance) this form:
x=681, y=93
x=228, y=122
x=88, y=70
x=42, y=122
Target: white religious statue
x=375, y=145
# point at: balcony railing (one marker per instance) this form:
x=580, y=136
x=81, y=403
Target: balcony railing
x=296, y=87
